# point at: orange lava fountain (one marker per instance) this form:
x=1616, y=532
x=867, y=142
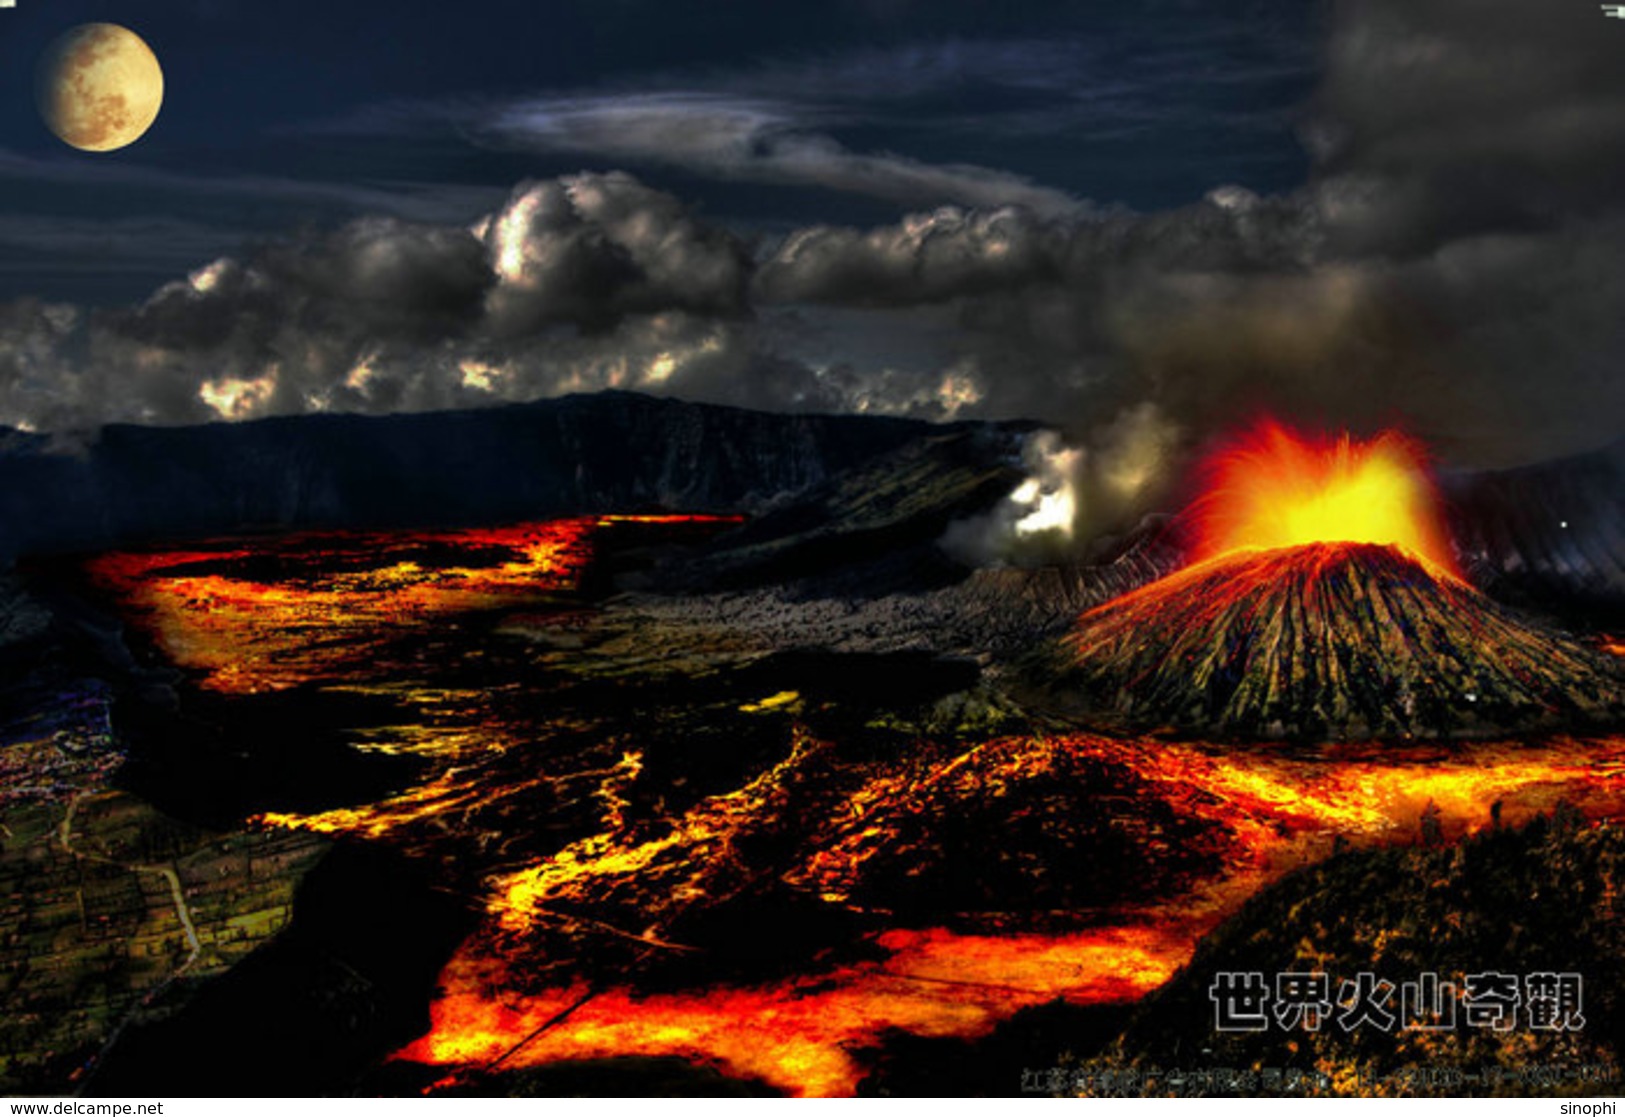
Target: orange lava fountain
x=1275, y=488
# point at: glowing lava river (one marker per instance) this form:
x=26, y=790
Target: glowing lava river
x=707, y=859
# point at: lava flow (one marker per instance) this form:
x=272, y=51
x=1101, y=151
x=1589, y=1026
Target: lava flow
x=801, y=1035
x=255, y=616
x=805, y=1034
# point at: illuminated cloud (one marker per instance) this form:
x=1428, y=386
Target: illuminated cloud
x=590, y=248
x=239, y=399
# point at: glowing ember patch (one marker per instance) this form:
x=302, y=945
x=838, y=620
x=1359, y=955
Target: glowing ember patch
x=1276, y=488
x=799, y=1035
x=772, y=702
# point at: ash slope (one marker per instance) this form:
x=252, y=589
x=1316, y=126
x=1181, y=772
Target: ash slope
x=1337, y=640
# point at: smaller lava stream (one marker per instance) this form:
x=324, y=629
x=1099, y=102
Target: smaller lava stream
x=255, y=616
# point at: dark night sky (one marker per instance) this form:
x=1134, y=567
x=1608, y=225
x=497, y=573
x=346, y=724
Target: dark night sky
x=278, y=114
x=1142, y=222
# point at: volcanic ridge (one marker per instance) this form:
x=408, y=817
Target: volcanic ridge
x=1332, y=640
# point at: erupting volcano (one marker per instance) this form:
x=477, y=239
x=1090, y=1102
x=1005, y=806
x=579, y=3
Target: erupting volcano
x=1274, y=488
x=1324, y=602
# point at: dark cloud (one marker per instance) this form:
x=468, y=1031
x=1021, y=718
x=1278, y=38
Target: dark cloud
x=1450, y=265
x=1443, y=119
x=953, y=253
x=926, y=258
x=575, y=284
x=1468, y=238
x=58, y=236
x=1103, y=102
x=597, y=247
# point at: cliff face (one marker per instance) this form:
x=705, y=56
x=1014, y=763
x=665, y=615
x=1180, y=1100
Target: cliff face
x=1547, y=533
x=606, y=453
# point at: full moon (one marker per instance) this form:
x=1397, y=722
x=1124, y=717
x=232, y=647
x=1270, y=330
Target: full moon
x=100, y=87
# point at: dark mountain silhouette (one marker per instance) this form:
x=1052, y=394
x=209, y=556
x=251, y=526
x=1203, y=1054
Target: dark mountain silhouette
x=580, y=455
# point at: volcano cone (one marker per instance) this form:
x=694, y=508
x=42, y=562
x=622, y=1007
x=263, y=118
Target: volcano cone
x=1324, y=641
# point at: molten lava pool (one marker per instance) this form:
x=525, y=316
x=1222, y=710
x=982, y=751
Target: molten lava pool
x=670, y=859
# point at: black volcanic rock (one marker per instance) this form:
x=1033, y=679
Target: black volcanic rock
x=346, y=982
x=1341, y=640
x=876, y=523
x=1539, y=899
